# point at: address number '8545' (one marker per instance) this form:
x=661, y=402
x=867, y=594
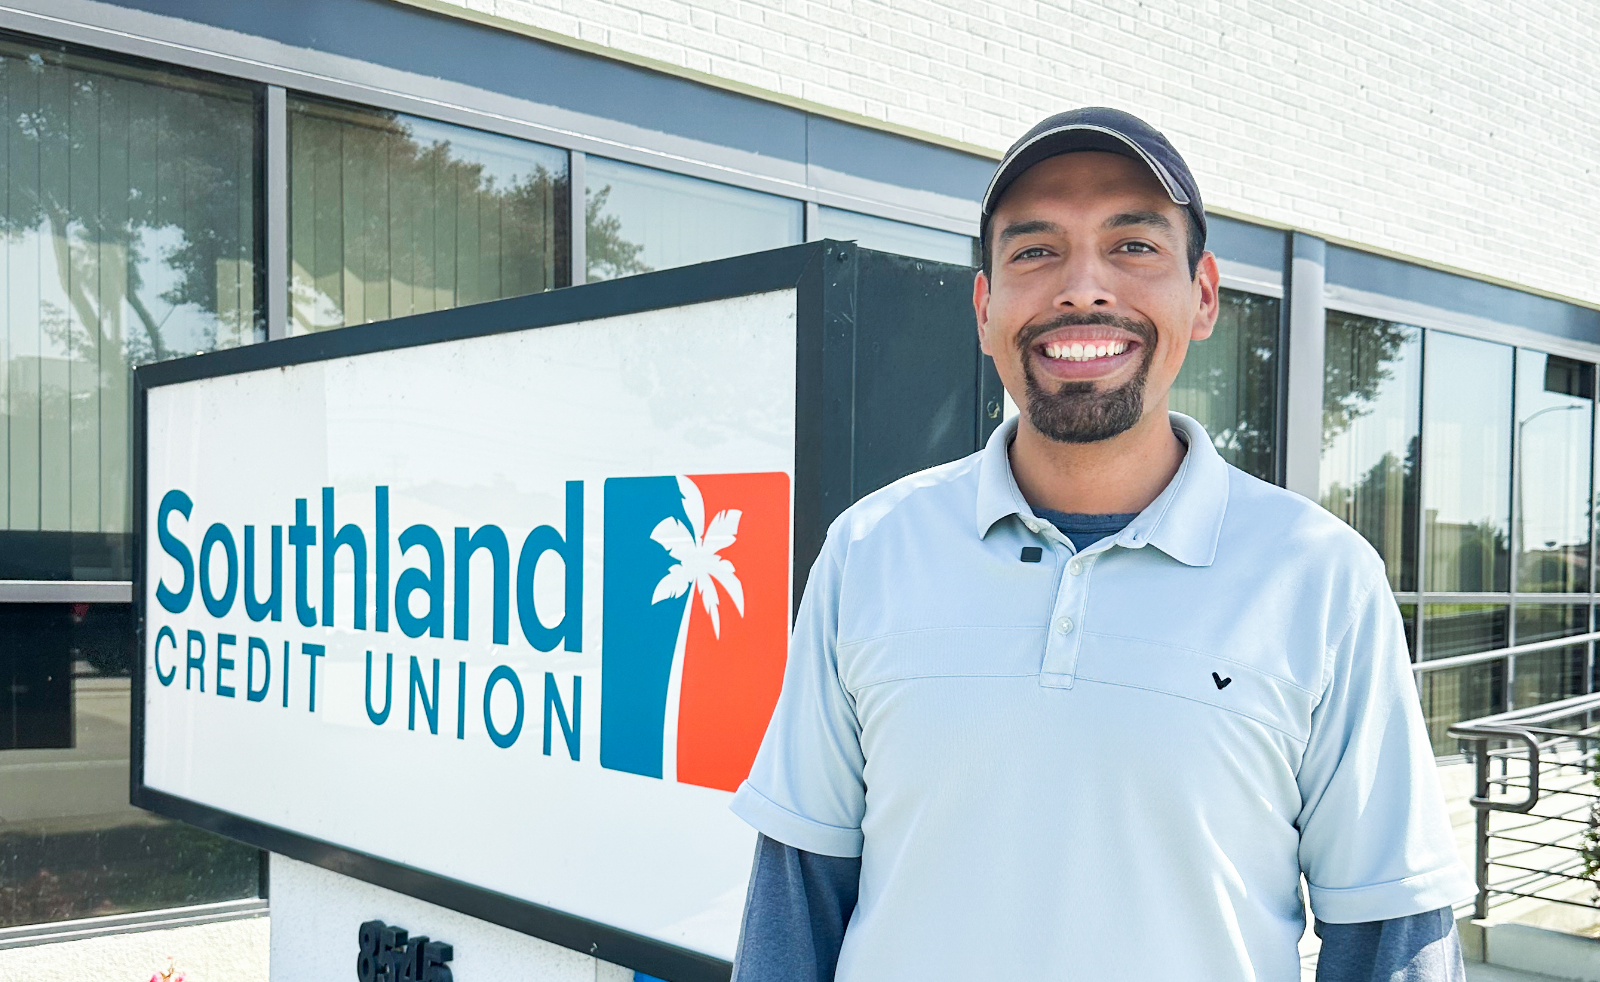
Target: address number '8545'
x=389, y=954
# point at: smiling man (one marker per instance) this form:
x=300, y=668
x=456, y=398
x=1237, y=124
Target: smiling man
x=1089, y=703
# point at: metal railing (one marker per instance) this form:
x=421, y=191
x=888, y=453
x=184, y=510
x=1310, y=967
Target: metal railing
x=1420, y=668
x=1536, y=802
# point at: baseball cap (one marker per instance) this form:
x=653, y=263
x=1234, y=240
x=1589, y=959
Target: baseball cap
x=1098, y=128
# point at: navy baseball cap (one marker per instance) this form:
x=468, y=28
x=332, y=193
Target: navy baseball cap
x=1098, y=128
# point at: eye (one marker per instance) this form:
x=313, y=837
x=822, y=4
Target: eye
x=1137, y=248
x=1031, y=252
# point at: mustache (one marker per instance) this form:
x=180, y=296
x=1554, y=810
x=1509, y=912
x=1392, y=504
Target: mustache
x=1143, y=330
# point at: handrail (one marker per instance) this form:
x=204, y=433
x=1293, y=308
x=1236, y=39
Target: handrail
x=1534, y=728
x=1486, y=732
x=1543, y=712
x=1456, y=661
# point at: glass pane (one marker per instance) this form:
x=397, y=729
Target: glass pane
x=1541, y=622
x=1229, y=382
x=1371, y=422
x=1408, y=617
x=1555, y=416
x=871, y=232
x=70, y=844
x=128, y=229
x=1462, y=629
x=1466, y=464
x=1545, y=676
x=391, y=215
x=1452, y=695
x=640, y=219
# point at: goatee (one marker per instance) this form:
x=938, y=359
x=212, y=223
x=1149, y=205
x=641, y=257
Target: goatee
x=1076, y=412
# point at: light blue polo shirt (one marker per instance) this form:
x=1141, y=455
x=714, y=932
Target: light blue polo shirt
x=1106, y=765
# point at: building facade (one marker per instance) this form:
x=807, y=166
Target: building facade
x=1402, y=206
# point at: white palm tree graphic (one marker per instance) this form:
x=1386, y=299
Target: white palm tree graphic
x=699, y=568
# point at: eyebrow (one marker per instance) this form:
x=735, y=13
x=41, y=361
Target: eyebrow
x=1032, y=227
x=1126, y=219
x=1153, y=219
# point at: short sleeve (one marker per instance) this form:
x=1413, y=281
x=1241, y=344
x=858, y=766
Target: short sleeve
x=1375, y=838
x=806, y=787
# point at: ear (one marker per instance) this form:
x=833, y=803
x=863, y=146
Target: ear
x=1209, y=297
x=980, y=307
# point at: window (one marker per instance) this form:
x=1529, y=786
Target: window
x=639, y=219
x=128, y=234
x=1477, y=459
x=1229, y=383
x=1371, y=428
x=890, y=236
x=392, y=215
x=1555, y=420
x=1455, y=694
x=70, y=844
x=129, y=231
x=1466, y=464
x=1555, y=673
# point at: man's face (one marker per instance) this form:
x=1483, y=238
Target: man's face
x=1089, y=308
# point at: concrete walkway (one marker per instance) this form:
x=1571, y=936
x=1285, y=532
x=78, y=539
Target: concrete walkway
x=1480, y=972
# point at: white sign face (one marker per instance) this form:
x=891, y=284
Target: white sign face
x=511, y=610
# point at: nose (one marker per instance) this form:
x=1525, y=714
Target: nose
x=1082, y=286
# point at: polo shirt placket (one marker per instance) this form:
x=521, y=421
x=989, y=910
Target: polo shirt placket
x=1069, y=620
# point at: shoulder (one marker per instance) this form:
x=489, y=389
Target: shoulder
x=926, y=501
x=1275, y=529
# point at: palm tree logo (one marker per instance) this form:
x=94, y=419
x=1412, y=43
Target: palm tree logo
x=698, y=567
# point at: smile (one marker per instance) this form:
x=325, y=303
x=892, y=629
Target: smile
x=1083, y=351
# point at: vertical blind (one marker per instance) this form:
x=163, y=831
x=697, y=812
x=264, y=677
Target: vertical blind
x=128, y=234
x=392, y=215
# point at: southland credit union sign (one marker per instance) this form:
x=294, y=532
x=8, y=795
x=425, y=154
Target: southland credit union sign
x=696, y=656
x=491, y=606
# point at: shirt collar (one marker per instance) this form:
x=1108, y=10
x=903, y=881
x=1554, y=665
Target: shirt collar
x=1185, y=520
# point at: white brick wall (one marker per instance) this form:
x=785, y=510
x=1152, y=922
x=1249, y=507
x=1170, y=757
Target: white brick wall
x=1465, y=132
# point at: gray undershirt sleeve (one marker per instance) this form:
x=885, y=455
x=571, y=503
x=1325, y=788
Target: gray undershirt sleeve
x=794, y=914
x=1419, y=948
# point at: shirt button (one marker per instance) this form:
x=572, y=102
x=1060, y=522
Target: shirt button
x=1064, y=625
x=1075, y=567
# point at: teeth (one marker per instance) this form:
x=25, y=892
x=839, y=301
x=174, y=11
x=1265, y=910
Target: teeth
x=1078, y=351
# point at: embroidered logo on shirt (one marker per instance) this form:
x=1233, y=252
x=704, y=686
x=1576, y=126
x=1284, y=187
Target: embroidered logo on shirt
x=695, y=623
x=1222, y=683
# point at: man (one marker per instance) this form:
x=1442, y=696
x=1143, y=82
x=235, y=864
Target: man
x=1086, y=704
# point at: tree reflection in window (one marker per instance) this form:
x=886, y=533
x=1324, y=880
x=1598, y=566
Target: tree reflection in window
x=1229, y=383
x=609, y=255
x=391, y=215
x=1372, y=378
x=128, y=231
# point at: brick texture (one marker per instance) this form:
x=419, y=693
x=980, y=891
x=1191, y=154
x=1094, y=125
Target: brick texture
x=1462, y=133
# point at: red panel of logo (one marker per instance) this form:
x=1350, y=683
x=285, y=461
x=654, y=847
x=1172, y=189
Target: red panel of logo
x=732, y=672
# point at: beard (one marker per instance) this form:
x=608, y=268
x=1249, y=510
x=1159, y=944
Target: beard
x=1076, y=412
